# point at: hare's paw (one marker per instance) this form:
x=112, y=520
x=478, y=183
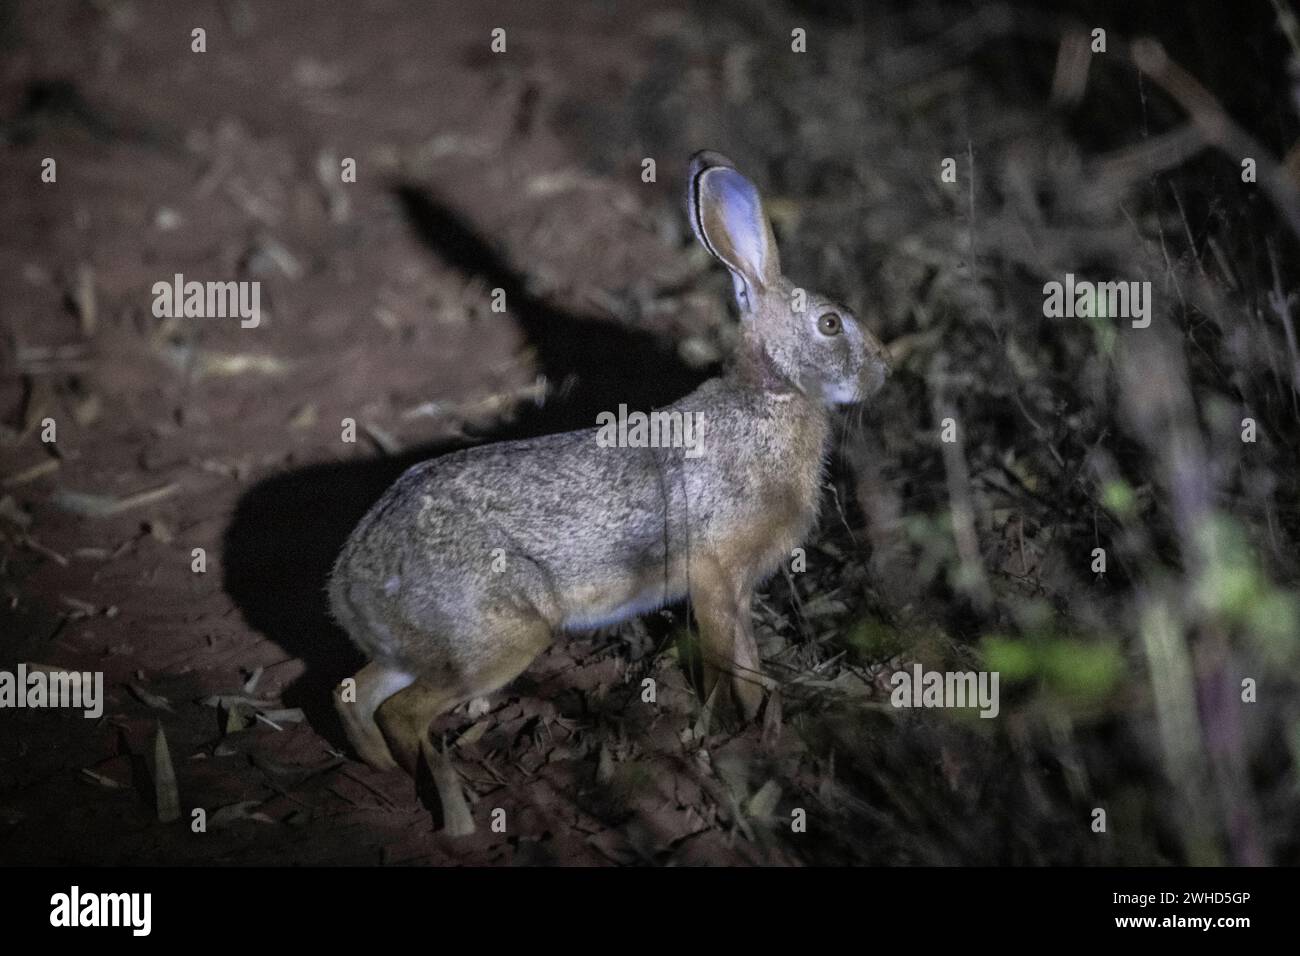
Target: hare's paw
x=747, y=689
x=748, y=682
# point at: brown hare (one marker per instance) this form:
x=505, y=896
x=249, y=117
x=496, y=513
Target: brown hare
x=467, y=568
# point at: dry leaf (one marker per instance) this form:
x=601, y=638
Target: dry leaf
x=15, y=515
x=166, y=793
x=456, y=818
x=383, y=440
x=151, y=700
x=83, y=297
x=762, y=805
x=473, y=734
x=224, y=816
x=102, y=780
x=304, y=417
x=105, y=506
x=38, y=470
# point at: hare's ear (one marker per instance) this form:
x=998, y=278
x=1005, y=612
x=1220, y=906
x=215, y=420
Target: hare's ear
x=727, y=216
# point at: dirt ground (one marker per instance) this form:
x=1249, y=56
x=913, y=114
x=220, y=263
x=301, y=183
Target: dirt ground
x=375, y=306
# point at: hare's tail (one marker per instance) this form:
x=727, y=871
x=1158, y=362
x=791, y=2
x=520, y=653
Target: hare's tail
x=352, y=604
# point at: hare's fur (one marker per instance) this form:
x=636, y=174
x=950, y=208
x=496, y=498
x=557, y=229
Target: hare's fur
x=469, y=565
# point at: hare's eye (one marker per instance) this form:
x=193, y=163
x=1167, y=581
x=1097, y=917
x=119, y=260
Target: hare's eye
x=829, y=324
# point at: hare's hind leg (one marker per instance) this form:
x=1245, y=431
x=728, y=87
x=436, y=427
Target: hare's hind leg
x=506, y=650
x=356, y=707
x=404, y=719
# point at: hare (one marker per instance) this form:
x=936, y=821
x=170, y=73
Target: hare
x=470, y=564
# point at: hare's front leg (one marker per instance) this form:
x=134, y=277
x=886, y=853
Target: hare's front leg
x=747, y=679
x=727, y=646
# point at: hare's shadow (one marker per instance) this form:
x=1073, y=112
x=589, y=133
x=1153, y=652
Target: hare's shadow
x=287, y=530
